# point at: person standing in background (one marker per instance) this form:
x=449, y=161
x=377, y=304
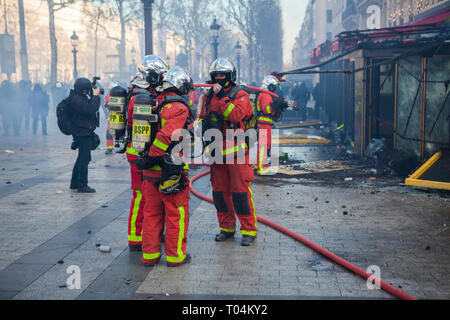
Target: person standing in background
x=39, y=106
x=84, y=102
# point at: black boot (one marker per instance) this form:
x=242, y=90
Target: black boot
x=86, y=189
x=187, y=260
x=223, y=235
x=135, y=247
x=247, y=240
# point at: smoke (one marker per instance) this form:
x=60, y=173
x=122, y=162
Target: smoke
x=27, y=108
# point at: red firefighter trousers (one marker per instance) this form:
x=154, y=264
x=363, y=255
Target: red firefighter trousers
x=233, y=196
x=136, y=216
x=165, y=210
x=109, y=138
x=264, y=146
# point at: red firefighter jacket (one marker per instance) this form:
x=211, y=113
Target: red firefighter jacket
x=265, y=111
x=173, y=116
x=234, y=112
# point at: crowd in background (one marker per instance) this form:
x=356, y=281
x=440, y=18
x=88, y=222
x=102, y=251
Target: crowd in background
x=24, y=106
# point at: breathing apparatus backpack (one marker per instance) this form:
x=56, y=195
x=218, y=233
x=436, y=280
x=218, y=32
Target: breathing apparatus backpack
x=117, y=112
x=144, y=123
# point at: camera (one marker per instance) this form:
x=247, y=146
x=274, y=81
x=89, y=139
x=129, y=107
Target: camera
x=94, y=85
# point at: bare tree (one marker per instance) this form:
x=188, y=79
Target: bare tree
x=53, y=6
x=188, y=18
x=95, y=14
x=269, y=35
x=243, y=14
x=126, y=11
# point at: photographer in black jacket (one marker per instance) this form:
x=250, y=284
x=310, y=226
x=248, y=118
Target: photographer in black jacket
x=84, y=104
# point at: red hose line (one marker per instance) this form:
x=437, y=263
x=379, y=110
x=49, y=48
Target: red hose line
x=207, y=85
x=365, y=275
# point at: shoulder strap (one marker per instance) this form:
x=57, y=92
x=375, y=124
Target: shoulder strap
x=208, y=96
x=233, y=92
x=230, y=94
x=171, y=99
x=137, y=91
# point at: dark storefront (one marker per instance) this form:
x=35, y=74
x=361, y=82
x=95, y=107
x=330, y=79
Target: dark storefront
x=395, y=85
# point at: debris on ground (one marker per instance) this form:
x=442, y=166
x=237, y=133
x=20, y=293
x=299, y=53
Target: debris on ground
x=59, y=192
x=317, y=167
x=103, y=248
x=387, y=160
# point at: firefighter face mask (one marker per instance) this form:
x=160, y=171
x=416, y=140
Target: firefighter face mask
x=224, y=82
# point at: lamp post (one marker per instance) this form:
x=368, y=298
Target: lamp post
x=215, y=29
x=148, y=26
x=74, y=39
x=238, y=48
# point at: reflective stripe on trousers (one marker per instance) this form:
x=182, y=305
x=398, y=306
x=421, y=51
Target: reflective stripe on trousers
x=135, y=218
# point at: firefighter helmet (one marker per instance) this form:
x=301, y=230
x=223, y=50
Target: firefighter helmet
x=179, y=79
x=139, y=81
x=153, y=68
x=223, y=65
x=270, y=83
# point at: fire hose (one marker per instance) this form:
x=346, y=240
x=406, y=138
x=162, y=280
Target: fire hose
x=203, y=85
x=349, y=266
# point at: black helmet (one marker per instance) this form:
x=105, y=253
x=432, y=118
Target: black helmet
x=82, y=85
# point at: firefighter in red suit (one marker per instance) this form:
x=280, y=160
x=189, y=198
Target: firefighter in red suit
x=232, y=193
x=152, y=69
x=109, y=137
x=166, y=183
x=267, y=112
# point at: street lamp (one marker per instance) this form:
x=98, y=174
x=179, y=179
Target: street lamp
x=238, y=48
x=215, y=29
x=74, y=39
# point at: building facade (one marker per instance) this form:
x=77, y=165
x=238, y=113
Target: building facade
x=325, y=19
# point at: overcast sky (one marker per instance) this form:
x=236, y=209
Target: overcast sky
x=293, y=12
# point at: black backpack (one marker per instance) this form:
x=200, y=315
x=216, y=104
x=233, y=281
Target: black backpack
x=64, y=117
